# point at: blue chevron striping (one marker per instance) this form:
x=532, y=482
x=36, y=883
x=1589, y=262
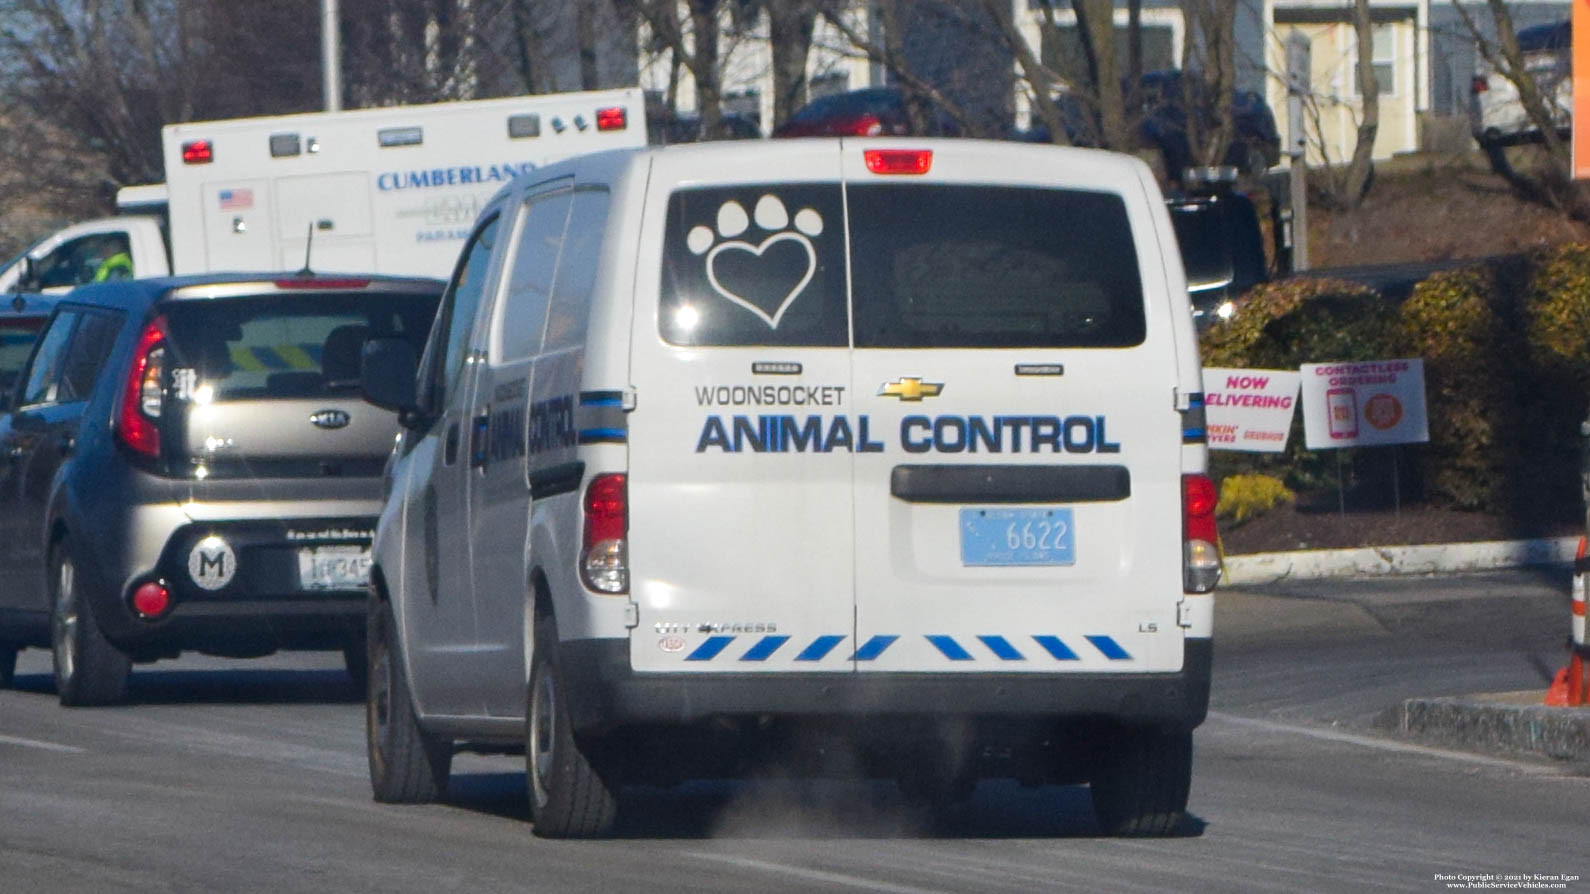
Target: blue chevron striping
x=819, y=648
x=1055, y=647
x=951, y=649
x=874, y=647
x=710, y=649
x=1002, y=648
x=1109, y=647
x=764, y=648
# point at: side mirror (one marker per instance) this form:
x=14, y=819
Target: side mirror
x=387, y=370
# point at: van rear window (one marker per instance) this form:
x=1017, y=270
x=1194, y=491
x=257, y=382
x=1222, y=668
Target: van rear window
x=988, y=267
x=944, y=266
x=304, y=345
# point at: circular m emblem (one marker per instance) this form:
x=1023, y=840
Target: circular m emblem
x=330, y=419
x=212, y=564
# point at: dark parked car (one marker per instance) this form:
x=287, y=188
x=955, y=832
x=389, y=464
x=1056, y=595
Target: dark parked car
x=189, y=466
x=1162, y=123
x=871, y=112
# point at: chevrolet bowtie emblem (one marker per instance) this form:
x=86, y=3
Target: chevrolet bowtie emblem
x=911, y=388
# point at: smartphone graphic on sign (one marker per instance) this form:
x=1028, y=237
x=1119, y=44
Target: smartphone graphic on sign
x=1342, y=405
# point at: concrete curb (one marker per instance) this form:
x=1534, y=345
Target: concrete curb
x=1511, y=722
x=1269, y=568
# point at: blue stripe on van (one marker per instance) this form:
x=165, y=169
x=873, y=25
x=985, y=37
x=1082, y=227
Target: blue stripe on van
x=764, y=648
x=603, y=436
x=874, y=647
x=601, y=398
x=819, y=648
x=1109, y=647
x=951, y=649
x=710, y=649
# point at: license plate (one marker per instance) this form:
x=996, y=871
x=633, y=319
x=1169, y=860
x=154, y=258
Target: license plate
x=1017, y=537
x=333, y=567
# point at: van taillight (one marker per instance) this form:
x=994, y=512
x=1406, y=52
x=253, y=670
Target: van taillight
x=1200, y=539
x=198, y=152
x=1479, y=84
x=611, y=118
x=899, y=161
x=604, y=553
x=138, y=421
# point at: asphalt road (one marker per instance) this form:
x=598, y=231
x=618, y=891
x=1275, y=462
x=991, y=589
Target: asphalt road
x=250, y=776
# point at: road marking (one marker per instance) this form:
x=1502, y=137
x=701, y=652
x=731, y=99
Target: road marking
x=1380, y=744
x=42, y=746
x=817, y=875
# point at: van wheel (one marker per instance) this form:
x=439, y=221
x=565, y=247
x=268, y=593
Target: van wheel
x=407, y=765
x=88, y=669
x=8, y=665
x=1140, y=783
x=568, y=797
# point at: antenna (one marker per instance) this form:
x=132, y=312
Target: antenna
x=309, y=244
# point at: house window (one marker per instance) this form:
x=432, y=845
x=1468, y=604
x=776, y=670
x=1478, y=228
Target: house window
x=1384, y=46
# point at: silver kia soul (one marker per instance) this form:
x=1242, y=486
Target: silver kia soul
x=191, y=468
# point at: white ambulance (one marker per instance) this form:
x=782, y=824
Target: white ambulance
x=729, y=455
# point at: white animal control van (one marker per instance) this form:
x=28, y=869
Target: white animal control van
x=724, y=458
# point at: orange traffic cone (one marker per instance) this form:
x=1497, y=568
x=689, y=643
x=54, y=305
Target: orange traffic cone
x=1568, y=688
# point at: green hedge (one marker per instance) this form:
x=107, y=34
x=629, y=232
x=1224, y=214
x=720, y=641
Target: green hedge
x=1506, y=350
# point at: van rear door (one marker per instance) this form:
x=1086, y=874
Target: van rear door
x=743, y=432
x=1014, y=351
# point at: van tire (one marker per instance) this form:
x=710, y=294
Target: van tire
x=89, y=670
x=407, y=764
x=8, y=665
x=1141, y=781
x=569, y=798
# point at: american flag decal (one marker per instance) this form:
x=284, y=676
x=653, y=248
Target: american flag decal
x=236, y=199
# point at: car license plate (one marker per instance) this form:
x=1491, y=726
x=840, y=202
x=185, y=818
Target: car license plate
x=1017, y=537
x=333, y=567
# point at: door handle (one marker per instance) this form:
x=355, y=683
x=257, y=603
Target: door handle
x=450, y=449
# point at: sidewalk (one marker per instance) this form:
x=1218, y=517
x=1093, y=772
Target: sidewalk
x=1267, y=568
x=1516, y=722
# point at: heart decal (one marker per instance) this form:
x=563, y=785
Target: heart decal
x=758, y=252
x=764, y=278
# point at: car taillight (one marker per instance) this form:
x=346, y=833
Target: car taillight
x=899, y=161
x=198, y=152
x=1479, y=85
x=604, y=553
x=138, y=422
x=320, y=282
x=613, y=118
x=863, y=125
x=1200, y=539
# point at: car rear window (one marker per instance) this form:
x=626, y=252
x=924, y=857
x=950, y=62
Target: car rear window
x=297, y=345
x=989, y=267
x=16, y=342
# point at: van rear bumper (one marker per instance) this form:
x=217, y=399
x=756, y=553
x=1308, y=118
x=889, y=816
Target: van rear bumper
x=607, y=694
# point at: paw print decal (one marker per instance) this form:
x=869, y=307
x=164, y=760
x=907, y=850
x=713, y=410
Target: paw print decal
x=763, y=277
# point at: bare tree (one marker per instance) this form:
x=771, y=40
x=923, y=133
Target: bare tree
x=1358, y=170
x=692, y=41
x=1209, y=79
x=1553, y=182
x=790, y=24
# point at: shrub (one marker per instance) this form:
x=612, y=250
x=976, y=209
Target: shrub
x=1453, y=321
x=1245, y=496
x=1282, y=325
